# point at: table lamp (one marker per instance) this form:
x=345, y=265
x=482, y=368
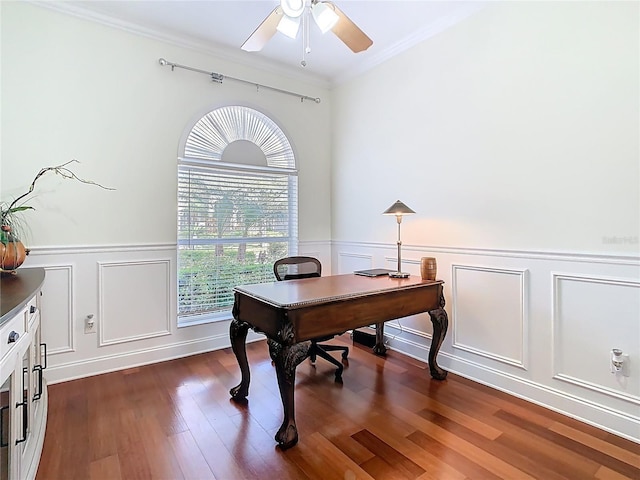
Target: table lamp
x=398, y=209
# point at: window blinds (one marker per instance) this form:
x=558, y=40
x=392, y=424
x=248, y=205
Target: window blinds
x=232, y=226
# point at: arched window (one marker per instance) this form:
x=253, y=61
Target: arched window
x=237, y=209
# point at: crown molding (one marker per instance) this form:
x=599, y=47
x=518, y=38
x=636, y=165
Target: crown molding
x=430, y=30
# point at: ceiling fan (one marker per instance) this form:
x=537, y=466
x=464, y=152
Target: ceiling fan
x=287, y=17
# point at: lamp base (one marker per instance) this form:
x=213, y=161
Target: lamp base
x=399, y=274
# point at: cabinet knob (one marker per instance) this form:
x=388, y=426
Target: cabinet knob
x=33, y=309
x=13, y=337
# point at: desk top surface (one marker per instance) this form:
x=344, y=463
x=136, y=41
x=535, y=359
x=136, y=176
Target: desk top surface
x=300, y=293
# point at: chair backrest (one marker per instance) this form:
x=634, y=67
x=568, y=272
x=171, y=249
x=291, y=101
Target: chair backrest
x=293, y=268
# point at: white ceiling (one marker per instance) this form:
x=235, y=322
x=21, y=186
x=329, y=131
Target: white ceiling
x=222, y=27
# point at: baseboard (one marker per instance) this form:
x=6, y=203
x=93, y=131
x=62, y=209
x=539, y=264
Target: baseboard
x=64, y=372
x=590, y=412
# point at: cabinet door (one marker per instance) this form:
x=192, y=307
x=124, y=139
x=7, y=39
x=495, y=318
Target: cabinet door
x=5, y=427
x=9, y=462
x=23, y=413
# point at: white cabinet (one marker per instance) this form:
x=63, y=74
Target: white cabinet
x=23, y=391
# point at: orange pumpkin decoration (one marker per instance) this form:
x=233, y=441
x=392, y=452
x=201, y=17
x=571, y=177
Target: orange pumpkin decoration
x=13, y=253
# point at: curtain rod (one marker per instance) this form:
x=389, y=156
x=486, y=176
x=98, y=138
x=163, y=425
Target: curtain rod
x=218, y=78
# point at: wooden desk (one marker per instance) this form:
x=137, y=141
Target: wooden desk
x=293, y=312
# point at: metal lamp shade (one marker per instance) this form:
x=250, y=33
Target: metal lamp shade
x=398, y=209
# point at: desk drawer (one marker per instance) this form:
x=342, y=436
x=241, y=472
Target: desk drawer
x=12, y=331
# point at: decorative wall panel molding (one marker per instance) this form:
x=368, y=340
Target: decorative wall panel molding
x=628, y=260
x=310, y=253
x=90, y=249
x=349, y=262
x=134, y=300
x=574, y=392
x=58, y=309
x=490, y=312
x=590, y=312
x=598, y=388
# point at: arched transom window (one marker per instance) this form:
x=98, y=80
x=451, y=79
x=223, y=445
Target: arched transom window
x=237, y=209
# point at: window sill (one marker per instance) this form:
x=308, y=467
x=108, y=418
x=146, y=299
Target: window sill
x=204, y=319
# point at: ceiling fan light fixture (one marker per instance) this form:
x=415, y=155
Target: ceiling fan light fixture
x=290, y=14
x=289, y=26
x=292, y=8
x=324, y=16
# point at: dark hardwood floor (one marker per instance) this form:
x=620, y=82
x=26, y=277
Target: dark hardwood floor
x=389, y=420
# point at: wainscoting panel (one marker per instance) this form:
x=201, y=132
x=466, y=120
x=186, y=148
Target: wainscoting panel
x=319, y=251
x=518, y=325
x=596, y=314
x=131, y=290
x=350, y=262
x=57, y=309
x=133, y=301
x=489, y=312
x=529, y=315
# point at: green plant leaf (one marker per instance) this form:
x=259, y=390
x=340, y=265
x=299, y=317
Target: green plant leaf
x=20, y=209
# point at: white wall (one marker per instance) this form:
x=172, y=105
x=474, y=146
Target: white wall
x=517, y=128
x=514, y=135
x=75, y=89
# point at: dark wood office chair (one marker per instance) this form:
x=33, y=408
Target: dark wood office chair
x=297, y=267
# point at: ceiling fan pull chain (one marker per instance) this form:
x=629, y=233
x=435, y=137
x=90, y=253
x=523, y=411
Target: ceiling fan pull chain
x=308, y=41
x=306, y=32
x=304, y=41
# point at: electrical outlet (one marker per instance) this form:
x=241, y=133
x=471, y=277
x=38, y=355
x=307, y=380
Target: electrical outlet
x=619, y=362
x=90, y=325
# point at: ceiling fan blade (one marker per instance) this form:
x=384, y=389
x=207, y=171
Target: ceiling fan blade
x=264, y=32
x=348, y=32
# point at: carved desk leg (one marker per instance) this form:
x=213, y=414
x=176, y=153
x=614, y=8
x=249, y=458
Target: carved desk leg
x=379, y=348
x=286, y=359
x=238, y=334
x=440, y=323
